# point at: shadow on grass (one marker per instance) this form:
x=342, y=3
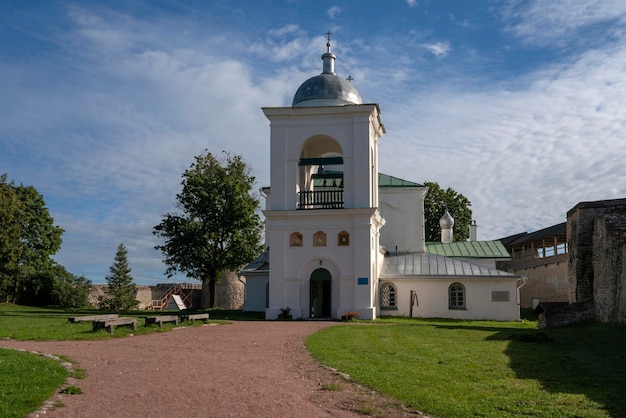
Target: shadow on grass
x=587, y=359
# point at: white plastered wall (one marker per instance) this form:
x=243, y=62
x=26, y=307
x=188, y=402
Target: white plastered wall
x=432, y=298
x=291, y=266
x=403, y=211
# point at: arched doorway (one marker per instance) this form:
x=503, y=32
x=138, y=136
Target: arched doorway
x=319, y=293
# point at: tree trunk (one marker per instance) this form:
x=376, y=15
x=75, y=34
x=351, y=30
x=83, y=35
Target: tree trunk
x=212, y=293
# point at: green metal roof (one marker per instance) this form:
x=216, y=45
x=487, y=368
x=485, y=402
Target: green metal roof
x=385, y=180
x=469, y=249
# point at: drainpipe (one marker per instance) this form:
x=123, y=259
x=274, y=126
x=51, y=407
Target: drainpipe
x=524, y=279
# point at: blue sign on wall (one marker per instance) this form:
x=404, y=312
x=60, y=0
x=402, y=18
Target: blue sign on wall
x=362, y=281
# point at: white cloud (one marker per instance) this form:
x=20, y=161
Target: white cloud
x=285, y=30
x=333, y=11
x=525, y=156
x=411, y=3
x=438, y=49
x=553, y=21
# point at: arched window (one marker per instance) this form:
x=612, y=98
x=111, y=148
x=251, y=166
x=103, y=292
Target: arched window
x=456, y=296
x=388, y=299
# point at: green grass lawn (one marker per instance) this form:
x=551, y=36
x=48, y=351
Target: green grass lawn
x=487, y=369
x=26, y=381
x=28, y=323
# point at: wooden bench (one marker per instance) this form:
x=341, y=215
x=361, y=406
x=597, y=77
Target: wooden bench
x=85, y=318
x=110, y=324
x=192, y=317
x=160, y=319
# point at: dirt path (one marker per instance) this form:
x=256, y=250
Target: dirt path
x=245, y=369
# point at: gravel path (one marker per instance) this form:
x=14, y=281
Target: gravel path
x=244, y=369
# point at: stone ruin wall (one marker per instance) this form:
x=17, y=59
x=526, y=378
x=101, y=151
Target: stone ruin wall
x=596, y=232
x=144, y=295
x=568, y=314
x=609, y=259
x=579, y=244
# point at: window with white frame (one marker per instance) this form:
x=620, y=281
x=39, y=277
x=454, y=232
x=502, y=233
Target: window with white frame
x=388, y=299
x=456, y=296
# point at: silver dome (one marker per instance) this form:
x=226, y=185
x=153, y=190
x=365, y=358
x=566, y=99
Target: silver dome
x=326, y=90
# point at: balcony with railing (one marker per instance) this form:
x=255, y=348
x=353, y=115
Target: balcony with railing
x=324, y=198
x=327, y=184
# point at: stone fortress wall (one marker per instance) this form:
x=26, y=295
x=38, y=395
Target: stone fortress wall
x=229, y=290
x=596, y=236
x=547, y=282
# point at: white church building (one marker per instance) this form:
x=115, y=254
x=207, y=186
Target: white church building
x=342, y=237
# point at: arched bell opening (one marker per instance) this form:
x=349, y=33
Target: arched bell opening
x=320, y=174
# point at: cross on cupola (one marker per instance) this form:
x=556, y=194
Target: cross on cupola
x=328, y=59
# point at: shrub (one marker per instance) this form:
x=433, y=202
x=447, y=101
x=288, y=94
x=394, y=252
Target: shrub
x=285, y=313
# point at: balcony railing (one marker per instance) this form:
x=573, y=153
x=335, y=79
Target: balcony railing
x=331, y=198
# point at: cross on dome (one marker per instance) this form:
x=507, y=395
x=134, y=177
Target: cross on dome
x=328, y=42
x=327, y=89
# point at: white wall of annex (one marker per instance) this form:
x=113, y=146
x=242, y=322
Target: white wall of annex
x=403, y=211
x=432, y=297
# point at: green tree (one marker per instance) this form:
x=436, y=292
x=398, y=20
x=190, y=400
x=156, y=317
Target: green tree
x=71, y=291
x=54, y=286
x=41, y=238
x=120, y=292
x=28, y=236
x=11, y=214
x=436, y=202
x=218, y=228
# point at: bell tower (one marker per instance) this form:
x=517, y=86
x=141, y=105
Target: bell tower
x=322, y=218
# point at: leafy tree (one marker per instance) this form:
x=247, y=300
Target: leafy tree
x=11, y=215
x=41, y=238
x=120, y=293
x=218, y=228
x=36, y=289
x=71, y=291
x=436, y=202
x=28, y=236
x=54, y=286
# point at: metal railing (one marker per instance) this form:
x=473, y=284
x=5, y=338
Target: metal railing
x=331, y=198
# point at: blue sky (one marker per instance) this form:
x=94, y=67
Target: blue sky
x=519, y=105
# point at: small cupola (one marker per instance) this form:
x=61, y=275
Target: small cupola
x=447, y=224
